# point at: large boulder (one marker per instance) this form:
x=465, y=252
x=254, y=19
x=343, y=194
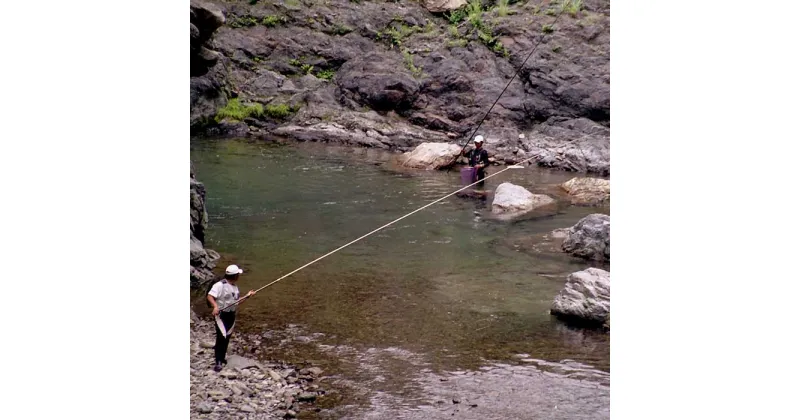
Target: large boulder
x=585, y=297
x=203, y=21
x=590, y=238
x=514, y=200
x=430, y=156
x=201, y=260
x=588, y=191
x=379, y=80
x=439, y=6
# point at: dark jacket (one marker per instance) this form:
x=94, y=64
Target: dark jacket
x=475, y=158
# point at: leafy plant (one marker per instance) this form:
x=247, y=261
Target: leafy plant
x=235, y=110
x=279, y=110
x=243, y=22
x=502, y=8
x=457, y=43
x=475, y=13
x=548, y=29
x=572, y=6
x=396, y=34
x=306, y=68
x=456, y=16
x=326, y=74
x=272, y=20
x=339, y=29
x=295, y=62
x=453, y=31
x=409, y=60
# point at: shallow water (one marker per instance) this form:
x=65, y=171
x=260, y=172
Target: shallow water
x=448, y=302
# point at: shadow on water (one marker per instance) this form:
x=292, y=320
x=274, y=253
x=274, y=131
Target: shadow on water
x=448, y=303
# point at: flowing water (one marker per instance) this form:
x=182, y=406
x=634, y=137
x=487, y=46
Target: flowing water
x=447, y=305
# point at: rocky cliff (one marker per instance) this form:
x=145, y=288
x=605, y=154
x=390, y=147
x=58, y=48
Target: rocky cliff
x=201, y=260
x=396, y=74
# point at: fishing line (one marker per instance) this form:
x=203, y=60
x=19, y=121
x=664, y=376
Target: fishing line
x=376, y=230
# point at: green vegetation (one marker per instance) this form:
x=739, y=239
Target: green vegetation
x=456, y=16
x=280, y=111
x=292, y=3
x=243, y=22
x=340, y=29
x=395, y=34
x=306, y=68
x=295, y=62
x=572, y=6
x=548, y=29
x=550, y=12
x=453, y=31
x=326, y=74
x=272, y=20
x=409, y=60
x=502, y=8
x=457, y=43
x=236, y=111
x=475, y=13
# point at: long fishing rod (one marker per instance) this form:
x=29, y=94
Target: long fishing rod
x=501, y=94
x=374, y=231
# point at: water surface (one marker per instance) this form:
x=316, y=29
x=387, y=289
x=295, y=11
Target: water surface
x=448, y=302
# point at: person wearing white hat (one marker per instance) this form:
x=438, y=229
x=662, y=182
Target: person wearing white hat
x=478, y=159
x=223, y=295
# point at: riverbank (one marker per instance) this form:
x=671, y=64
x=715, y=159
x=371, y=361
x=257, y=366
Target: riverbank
x=245, y=388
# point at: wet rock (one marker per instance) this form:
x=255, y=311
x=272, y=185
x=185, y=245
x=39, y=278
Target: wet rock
x=590, y=238
x=588, y=191
x=290, y=414
x=579, y=145
x=513, y=200
x=429, y=156
x=585, y=297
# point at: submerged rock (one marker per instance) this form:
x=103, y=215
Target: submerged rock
x=514, y=200
x=590, y=238
x=588, y=191
x=585, y=297
x=430, y=156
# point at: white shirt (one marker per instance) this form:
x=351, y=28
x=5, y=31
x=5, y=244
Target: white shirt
x=225, y=294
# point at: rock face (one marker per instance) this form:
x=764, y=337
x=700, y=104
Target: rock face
x=513, y=200
x=394, y=75
x=438, y=6
x=590, y=238
x=585, y=297
x=206, y=76
x=588, y=191
x=430, y=156
x=201, y=260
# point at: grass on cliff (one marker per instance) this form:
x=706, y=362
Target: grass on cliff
x=409, y=60
x=235, y=110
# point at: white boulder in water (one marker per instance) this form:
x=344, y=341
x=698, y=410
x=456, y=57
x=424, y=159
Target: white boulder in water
x=430, y=156
x=590, y=238
x=588, y=191
x=586, y=297
x=510, y=200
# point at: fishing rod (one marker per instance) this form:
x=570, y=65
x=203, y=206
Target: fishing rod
x=375, y=231
x=501, y=94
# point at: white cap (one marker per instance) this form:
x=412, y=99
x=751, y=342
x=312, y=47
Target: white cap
x=233, y=269
x=478, y=139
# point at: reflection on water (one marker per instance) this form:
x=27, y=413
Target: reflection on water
x=449, y=288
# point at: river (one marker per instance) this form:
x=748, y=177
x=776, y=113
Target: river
x=442, y=315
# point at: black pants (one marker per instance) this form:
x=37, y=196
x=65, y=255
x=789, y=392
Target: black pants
x=221, y=346
x=480, y=175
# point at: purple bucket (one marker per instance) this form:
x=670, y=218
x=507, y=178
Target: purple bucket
x=467, y=175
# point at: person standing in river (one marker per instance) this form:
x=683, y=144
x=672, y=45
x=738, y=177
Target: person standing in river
x=478, y=159
x=224, y=293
